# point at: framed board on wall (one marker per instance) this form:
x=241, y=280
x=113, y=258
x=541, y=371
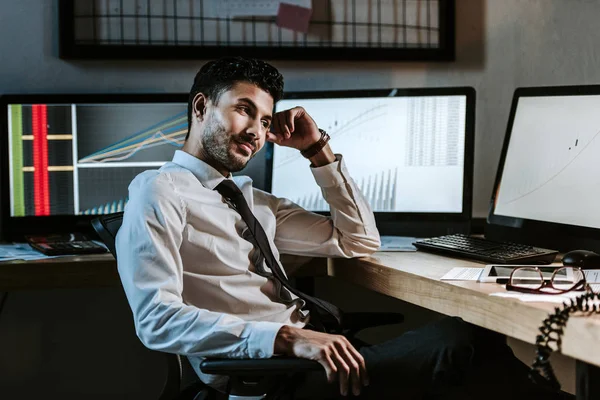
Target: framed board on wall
x=378, y=30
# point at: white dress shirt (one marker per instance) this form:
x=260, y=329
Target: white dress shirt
x=188, y=272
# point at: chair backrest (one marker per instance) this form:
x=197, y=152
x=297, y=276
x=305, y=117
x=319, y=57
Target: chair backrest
x=107, y=226
x=180, y=374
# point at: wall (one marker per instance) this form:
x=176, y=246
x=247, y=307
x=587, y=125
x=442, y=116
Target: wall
x=500, y=45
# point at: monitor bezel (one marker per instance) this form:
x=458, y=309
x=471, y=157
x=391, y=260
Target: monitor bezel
x=405, y=223
x=552, y=235
x=15, y=228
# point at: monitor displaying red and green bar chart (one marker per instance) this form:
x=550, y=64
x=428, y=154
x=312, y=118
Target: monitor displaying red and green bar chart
x=77, y=159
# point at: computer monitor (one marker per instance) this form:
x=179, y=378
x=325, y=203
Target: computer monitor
x=548, y=182
x=409, y=150
x=67, y=158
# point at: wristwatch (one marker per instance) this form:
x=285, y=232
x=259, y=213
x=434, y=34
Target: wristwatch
x=317, y=147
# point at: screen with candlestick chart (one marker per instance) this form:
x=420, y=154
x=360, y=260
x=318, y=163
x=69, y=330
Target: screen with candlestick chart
x=79, y=158
x=405, y=149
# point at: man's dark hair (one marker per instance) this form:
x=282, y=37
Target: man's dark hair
x=219, y=76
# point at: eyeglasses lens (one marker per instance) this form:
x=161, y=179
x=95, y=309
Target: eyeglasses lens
x=567, y=277
x=527, y=278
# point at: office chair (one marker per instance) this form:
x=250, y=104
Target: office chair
x=248, y=378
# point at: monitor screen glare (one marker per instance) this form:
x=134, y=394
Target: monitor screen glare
x=406, y=153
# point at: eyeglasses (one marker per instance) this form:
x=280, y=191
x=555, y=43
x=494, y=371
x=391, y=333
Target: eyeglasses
x=534, y=280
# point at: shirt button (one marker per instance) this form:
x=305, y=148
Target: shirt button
x=261, y=353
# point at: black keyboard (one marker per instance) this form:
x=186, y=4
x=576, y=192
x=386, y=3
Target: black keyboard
x=58, y=245
x=493, y=252
x=69, y=248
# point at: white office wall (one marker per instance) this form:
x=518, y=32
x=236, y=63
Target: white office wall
x=501, y=44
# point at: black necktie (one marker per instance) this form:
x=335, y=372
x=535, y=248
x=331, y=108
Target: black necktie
x=330, y=315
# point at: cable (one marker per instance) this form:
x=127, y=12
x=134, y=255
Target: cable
x=552, y=330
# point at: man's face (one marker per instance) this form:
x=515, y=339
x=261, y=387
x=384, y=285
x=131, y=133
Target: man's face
x=235, y=128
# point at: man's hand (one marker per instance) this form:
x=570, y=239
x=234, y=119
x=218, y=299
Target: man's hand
x=339, y=358
x=294, y=128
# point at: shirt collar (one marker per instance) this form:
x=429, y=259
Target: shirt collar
x=207, y=175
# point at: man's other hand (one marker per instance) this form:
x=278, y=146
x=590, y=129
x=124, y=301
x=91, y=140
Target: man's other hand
x=334, y=352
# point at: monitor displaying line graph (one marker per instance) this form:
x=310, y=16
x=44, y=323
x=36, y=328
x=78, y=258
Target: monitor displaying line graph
x=551, y=166
x=406, y=152
x=79, y=158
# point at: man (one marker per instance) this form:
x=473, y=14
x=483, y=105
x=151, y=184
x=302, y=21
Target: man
x=195, y=275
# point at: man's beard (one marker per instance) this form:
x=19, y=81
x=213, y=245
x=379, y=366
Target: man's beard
x=217, y=146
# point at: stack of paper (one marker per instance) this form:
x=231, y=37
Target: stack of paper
x=462, y=274
x=545, y=298
x=592, y=276
x=19, y=251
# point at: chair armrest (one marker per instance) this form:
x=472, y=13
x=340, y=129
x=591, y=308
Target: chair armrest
x=258, y=367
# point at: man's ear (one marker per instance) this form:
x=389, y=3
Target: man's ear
x=199, y=103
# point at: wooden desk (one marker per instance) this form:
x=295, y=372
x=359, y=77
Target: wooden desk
x=409, y=276
x=100, y=270
x=414, y=277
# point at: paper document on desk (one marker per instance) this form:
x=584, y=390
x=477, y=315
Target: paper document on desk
x=592, y=275
x=463, y=274
x=20, y=251
x=545, y=298
x=397, y=243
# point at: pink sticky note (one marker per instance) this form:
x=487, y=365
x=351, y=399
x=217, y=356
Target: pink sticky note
x=293, y=17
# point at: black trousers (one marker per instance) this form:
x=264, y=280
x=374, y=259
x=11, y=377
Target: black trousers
x=447, y=359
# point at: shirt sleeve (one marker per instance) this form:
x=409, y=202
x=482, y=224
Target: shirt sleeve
x=151, y=271
x=349, y=232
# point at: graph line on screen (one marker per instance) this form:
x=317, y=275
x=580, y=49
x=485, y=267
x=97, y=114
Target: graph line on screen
x=388, y=143
x=556, y=174
x=339, y=127
x=170, y=131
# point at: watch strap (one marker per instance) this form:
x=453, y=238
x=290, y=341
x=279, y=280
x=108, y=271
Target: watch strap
x=317, y=147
